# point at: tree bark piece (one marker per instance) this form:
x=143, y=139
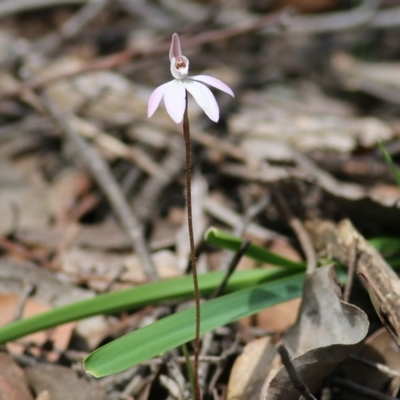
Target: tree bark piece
x=338, y=241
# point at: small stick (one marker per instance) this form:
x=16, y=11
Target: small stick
x=230, y=261
x=234, y=220
x=188, y=150
x=27, y=290
x=362, y=390
x=300, y=231
x=101, y=173
x=231, y=268
x=377, y=366
x=293, y=375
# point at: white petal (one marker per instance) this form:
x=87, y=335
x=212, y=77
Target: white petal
x=213, y=82
x=155, y=98
x=175, y=100
x=204, y=98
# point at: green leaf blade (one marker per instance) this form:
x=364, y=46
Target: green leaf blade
x=179, y=328
x=134, y=298
x=229, y=242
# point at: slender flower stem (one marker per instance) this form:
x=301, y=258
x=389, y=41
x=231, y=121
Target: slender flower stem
x=188, y=151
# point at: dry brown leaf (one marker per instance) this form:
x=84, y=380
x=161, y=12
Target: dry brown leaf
x=304, y=119
x=107, y=236
x=380, y=79
x=63, y=383
x=13, y=382
x=48, y=289
x=65, y=190
x=59, y=336
x=45, y=395
x=326, y=331
x=378, y=348
x=112, y=97
x=22, y=207
x=280, y=317
x=49, y=292
x=102, y=267
x=250, y=368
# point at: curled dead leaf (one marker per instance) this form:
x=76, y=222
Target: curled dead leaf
x=326, y=331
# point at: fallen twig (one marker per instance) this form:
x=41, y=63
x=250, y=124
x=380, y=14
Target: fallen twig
x=392, y=373
x=27, y=290
x=293, y=375
x=231, y=268
x=300, y=231
x=361, y=390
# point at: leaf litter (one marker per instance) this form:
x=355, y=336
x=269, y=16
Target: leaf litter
x=325, y=332
x=309, y=113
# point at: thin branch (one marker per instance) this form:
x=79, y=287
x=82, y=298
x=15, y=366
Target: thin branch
x=27, y=290
x=300, y=231
x=392, y=373
x=361, y=390
x=101, y=173
x=229, y=261
x=232, y=219
x=231, y=268
x=293, y=375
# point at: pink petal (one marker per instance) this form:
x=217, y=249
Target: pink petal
x=204, y=98
x=175, y=49
x=155, y=98
x=175, y=100
x=213, y=82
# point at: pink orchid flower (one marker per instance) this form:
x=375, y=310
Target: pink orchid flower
x=174, y=92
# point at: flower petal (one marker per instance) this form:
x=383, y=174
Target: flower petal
x=204, y=98
x=175, y=100
x=175, y=49
x=213, y=82
x=155, y=98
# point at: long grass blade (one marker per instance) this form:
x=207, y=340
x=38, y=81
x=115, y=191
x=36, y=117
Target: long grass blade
x=173, y=331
